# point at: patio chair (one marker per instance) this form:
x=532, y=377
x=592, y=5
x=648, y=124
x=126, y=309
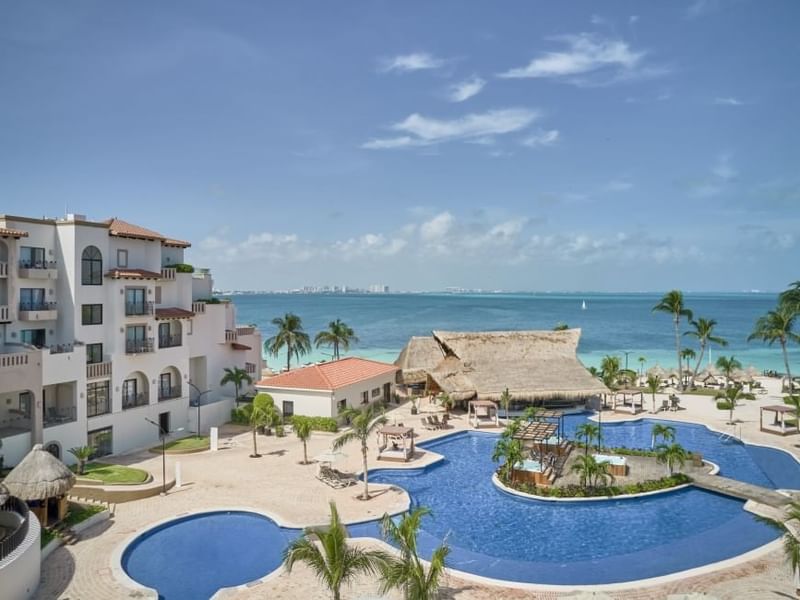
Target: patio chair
x=674, y=403
x=435, y=421
x=664, y=405
x=328, y=477
x=345, y=479
x=426, y=424
x=445, y=421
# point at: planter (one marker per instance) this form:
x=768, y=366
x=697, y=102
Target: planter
x=413, y=410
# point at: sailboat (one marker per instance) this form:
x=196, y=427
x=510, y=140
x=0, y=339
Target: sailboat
x=583, y=305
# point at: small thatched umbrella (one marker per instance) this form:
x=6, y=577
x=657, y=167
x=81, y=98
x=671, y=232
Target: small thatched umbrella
x=658, y=370
x=38, y=477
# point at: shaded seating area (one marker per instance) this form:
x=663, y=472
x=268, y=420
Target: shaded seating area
x=778, y=425
x=43, y=481
x=629, y=400
x=482, y=412
x=432, y=423
x=396, y=442
x=548, y=452
x=334, y=478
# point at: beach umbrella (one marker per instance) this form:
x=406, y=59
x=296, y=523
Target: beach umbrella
x=39, y=476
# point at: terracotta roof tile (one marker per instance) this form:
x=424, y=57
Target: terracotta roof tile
x=176, y=243
x=238, y=346
x=132, y=274
x=173, y=313
x=329, y=376
x=120, y=228
x=5, y=232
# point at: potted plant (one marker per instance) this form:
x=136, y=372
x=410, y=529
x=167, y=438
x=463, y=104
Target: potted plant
x=447, y=402
x=414, y=400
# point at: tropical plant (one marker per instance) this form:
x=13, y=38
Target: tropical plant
x=505, y=401
x=591, y=472
x=728, y=365
x=326, y=552
x=779, y=326
x=588, y=432
x=82, y=454
x=264, y=414
x=290, y=336
x=642, y=360
x=446, y=401
x=510, y=450
x=652, y=386
x=793, y=400
x=302, y=429
x=530, y=413
x=338, y=335
x=791, y=298
x=687, y=354
x=672, y=303
x=665, y=432
x=728, y=398
x=408, y=572
x=560, y=326
x=672, y=455
x=791, y=545
x=704, y=332
x=363, y=423
x=610, y=370
x=237, y=377
x=593, y=371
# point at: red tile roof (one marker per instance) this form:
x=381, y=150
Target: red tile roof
x=329, y=376
x=132, y=274
x=5, y=232
x=238, y=346
x=173, y=313
x=120, y=228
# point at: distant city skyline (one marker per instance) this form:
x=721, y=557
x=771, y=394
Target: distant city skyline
x=621, y=146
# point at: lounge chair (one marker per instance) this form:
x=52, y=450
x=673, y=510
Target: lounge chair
x=327, y=476
x=664, y=405
x=435, y=421
x=445, y=421
x=674, y=403
x=346, y=479
x=426, y=424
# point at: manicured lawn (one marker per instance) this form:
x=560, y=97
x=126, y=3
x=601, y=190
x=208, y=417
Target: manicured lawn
x=186, y=444
x=113, y=473
x=80, y=512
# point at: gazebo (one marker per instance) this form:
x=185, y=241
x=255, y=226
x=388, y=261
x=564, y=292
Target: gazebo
x=41, y=480
x=628, y=400
x=541, y=438
x=396, y=442
x=482, y=412
x=778, y=426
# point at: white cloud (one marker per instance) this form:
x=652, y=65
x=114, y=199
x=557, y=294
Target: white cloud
x=437, y=227
x=370, y=244
x=542, y=138
x=417, y=61
x=618, y=185
x=728, y=101
x=723, y=169
x=466, y=89
x=585, y=53
x=699, y=8
x=426, y=131
x=633, y=19
x=721, y=174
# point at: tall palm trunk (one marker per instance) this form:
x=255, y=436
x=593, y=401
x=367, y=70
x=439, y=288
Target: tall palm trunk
x=677, y=321
x=288, y=356
x=366, y=475
x=336, y=350
x=255, y=443
x=786, y=364
x=699, y=361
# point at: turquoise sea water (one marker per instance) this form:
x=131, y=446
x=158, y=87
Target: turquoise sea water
x=611, y=323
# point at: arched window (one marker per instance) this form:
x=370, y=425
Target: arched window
x=91, y=266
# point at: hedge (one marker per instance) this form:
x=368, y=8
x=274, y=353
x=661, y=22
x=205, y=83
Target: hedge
x=184, y=268
x=328, y=424
x=241, y=414
x=577, y=491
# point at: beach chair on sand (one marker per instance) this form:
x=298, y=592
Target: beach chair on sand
x=435, y=422
x=426, y=424
x=674, y=403
x=445, y=421
x=345, y=479
x=664, y=405
x=327, y=476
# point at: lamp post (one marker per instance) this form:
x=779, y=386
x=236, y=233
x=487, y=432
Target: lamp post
x=197, y=399
x=163, y=435
x=626, y=353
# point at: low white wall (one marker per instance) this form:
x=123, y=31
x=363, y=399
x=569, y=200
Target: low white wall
x=211, y=415
x=20, y=571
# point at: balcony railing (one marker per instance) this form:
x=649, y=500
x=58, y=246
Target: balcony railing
x=35, y=306
x=37, y=264
x=248, y=330
x=134, y=400
x=58, y=416
x=137, y=309
x=97, y=370
x=61, y=348
x=9, y=361
x=165, y=393
x=3, y=269
x=138, y=346
x=169, y=341
x=168, y=273
x=198, y=308
x=250, y=368
x=13, y=539
x=230, y=335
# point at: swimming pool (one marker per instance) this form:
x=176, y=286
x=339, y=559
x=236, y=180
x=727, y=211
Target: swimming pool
x=497, y=535
x=192, y=557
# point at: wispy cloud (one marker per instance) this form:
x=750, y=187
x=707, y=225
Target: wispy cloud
x=419, y=130
x=721, y=174
x=700, y=8
x=618, y=185
x=542, y=138
x=417, y=61
x=585, y=54
x=464, y=90
x=728, y=101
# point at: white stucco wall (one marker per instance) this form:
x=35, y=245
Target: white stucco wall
x=20, y=571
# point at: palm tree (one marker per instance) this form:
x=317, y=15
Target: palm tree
x=237, y=377
x=665, y=432
x=530, y=413
x=672, y=303
x=728, y=365
x=610, y=370
x=264, y=414
x=672, y=455
x=408, y=572
x=302, y=429
x=687, y=354
x=510, y=450
x=592, y=472
x=335, y=562
x=642, y=360
x=290, y=336
x=505, y=401
x=363, y=424
x=82, y=454
x=588, y=432
x=653, y=385
x=704, y=332
x=791, y=297
x=728, y=398
x=778, y=326
x=791, y=545
x=338, y=335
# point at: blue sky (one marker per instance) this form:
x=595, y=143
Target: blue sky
x=533, y=146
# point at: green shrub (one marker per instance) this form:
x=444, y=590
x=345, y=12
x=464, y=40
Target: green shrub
x=183, y=268
x=577, y=491
x=241, y=414
x=209, y=300
x=328, y=424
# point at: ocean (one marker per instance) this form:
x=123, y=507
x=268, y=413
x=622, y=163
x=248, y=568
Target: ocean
x=610, y=324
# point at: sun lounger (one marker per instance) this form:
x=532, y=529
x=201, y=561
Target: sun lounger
x=329, y=477
x=674, y=403
x=664, y=405
x=426, y=424
x=435, y=421
x=346, y=479
x=445, y=421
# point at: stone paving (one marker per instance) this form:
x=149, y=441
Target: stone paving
x=278, y=485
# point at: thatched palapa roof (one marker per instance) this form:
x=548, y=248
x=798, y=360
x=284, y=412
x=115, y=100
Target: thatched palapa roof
x=419, y=357
x=532, y=365
x=39, y=476
x=3, y=494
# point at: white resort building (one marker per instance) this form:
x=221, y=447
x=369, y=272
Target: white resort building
x=102, y=328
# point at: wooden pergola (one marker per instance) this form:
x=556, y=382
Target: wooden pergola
x=552, y=416
x=481, y=411
x=778, y=426
x=628, y=400
x=396, y=442
x=537, y=436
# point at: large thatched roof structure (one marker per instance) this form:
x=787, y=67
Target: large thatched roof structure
x=3, y=494
x=39, y=476
x=419, y=357
x=532, y=365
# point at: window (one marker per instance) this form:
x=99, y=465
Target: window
x=136, y=340
x=92, y=314
x=131, y=396
x=91, y=266
x=34, y=337
x=165, y=389
x=288, y=409
x=163, y=423
x=31, y=258
x=158, y=294
x=122, y=258
x=31, y=299
x=169, y=334
x=25, y=403
x=98, y=398
x=101, y=440
x=135, y=303
x=94, y=353
x=341, y=405
x=376, y=392
x=364, y=397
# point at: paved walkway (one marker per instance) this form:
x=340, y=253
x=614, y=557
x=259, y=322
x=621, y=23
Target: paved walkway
x=740, y=489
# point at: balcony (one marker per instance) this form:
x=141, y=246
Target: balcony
x=139, y=346
x=37, y=311
x=11, y=361
x=138, y=309
x=250, y=368
x=38, y=269
x=198, y=308
x=3, y=270
x=98, y=370
x=5, y=314
x=247, y=330
x=168, y=273
x=169, y=393
x=134, y=400
x=170, y=341
x=15, y=521
x=59, y=416
x=230, y=335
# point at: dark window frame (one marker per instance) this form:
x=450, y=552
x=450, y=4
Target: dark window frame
x=90, y=352
x=93, y=403
x=93, y=310
x=91, y=266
